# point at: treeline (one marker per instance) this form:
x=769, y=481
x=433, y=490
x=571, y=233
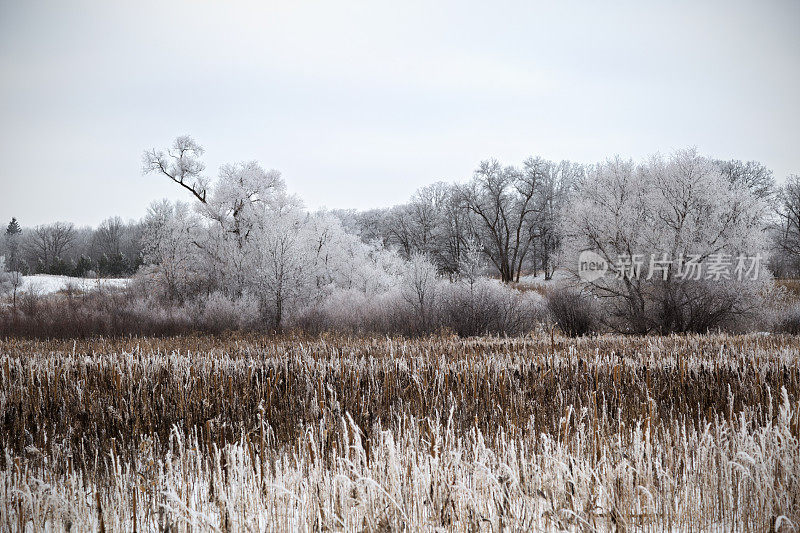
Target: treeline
x=510, y=216
x=246, y=254
x=507, y=215
x=113, y=249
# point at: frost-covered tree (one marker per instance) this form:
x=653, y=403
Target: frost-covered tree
x=419, y=289
x=751, y=174
x=281, y=264
x=5, y=280
x=558, y=180
x=170, y=251
x=787, y=235
x=181, y=163
x=255, y=239
x=10, y=283
x=665, y=229
x=107, y=238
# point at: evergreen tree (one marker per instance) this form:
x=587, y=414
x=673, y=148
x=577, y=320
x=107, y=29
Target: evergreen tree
x=60, y=267
x=117, y=266
x=104, y=265
x=84, y=265
x=12, y=237
x=13, y=227
x=134, y=264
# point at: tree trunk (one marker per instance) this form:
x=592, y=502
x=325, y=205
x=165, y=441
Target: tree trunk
x=278, y=314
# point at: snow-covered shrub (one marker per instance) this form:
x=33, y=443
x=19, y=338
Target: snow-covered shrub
x=788, y=321
x=419, y=289
x=483, y=306
x=221, y=313
x=574, y=313
x=353, y=311
x=467, y=309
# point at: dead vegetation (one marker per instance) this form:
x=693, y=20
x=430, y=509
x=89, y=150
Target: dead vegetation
x=338, y=433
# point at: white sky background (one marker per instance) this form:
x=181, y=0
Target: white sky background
x=359, y=104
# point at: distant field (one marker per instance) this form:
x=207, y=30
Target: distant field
x=48, y=284
x=489, y=434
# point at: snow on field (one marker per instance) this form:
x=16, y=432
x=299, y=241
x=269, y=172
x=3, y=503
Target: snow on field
x=48, y=284
x=558, y=275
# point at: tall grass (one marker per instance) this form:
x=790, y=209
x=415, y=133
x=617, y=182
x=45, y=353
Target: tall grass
x=390, y=434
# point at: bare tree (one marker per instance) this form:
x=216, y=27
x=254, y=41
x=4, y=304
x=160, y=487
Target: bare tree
x=50, y=242
x=504, y=204
x=457, y=238
x=789, y=236
x=400, y=229
x=426, y=211
x=107, y=238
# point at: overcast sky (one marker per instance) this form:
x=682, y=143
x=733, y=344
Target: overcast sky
x=359, y=104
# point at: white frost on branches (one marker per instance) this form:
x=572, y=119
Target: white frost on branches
x=677, y=207
x=249, y=237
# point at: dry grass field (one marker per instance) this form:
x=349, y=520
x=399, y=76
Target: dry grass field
x=792, y=287
x=239, y=433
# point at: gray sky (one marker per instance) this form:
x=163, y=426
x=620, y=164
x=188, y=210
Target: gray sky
x=359, y=104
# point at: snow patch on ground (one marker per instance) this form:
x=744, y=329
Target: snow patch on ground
x=558, y=275
x=48, y=284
